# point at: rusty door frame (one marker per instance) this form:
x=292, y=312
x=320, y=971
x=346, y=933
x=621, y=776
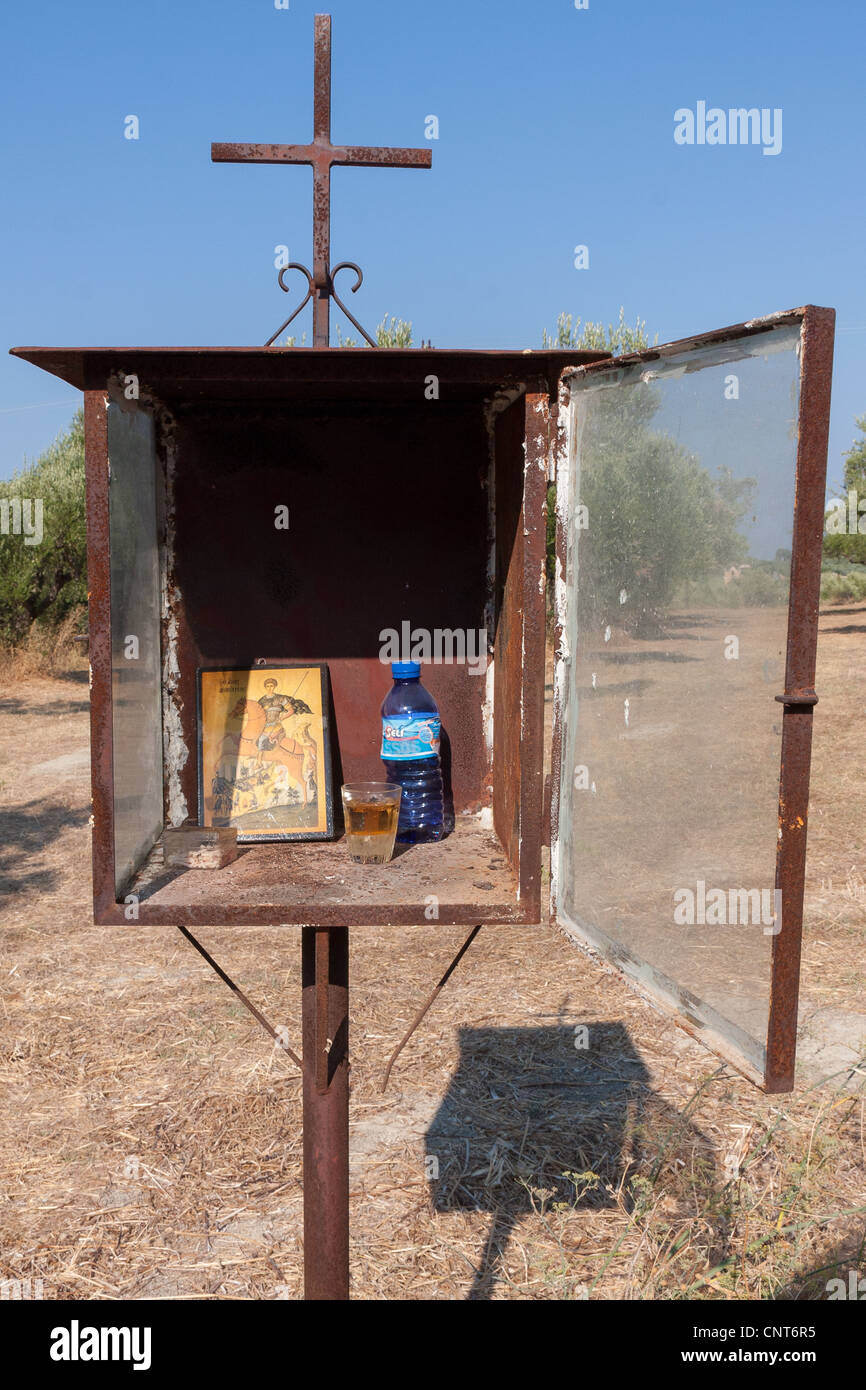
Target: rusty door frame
x=798, y=697
x=99, y=621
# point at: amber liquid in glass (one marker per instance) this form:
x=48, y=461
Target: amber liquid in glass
x=370, y=830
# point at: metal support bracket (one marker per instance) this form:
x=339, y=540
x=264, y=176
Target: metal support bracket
x=247, y=1003
x=426, y=1005
x=322, y=288
x=803, y=696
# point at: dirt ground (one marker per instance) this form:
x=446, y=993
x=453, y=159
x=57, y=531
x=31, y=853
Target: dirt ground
x=150, y=1140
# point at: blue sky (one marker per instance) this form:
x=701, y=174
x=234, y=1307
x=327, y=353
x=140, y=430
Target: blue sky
x=556, y=128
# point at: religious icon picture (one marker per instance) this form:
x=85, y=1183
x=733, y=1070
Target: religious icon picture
x=264, y=756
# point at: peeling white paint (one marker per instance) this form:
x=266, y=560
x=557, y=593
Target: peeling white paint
x=771, y=318
x=559, y=596
x=657, y=374
x=499, y=403
x=560, y=471
x=175, y=750
x=487, y=710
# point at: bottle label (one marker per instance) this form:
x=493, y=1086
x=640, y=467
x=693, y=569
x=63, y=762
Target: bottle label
x=407, y=736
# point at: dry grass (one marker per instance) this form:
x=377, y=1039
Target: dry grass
x=833, y=963
x=150, y=1139
x=46, y=652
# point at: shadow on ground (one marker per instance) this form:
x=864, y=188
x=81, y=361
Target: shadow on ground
x=78, y=677
x=24, y=833
x=15, y=706
x=838, y=1277
x=546, y=1118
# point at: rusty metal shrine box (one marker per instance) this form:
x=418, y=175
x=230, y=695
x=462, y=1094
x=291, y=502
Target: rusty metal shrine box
x=640, y=784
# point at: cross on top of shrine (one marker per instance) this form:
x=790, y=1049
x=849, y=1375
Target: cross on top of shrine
x=322, y=156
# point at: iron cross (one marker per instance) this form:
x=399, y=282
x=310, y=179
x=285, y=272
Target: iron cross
x=322, y=156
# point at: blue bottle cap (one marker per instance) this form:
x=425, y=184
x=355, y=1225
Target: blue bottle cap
x=405, y=670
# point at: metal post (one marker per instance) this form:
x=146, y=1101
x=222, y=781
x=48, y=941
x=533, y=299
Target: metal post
x=322, y=183
x=325, y=1022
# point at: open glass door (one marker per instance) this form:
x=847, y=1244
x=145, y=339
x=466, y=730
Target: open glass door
x=690, y=497
x=136, y=675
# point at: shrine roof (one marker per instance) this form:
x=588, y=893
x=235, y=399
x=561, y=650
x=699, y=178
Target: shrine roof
x=274, y=374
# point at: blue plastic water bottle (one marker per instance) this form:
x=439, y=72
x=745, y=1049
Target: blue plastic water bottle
x=410, y=752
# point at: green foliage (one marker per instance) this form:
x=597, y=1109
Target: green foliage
x=831, y=565
x=43, y=583
x=758, y=587
x=618, y=338
x=843, y=588
x=657, y=518
x=660, y=527
x=393, y=333
x=396, y=334
x=844, y=546
x=551, y=540
x=855, y=460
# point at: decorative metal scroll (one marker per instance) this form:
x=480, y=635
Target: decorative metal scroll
x=331, y=292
